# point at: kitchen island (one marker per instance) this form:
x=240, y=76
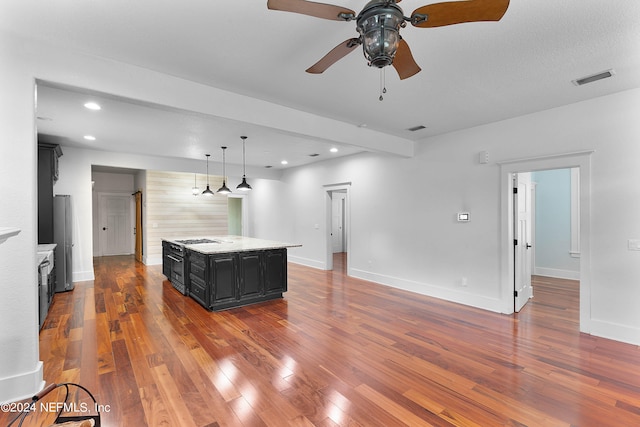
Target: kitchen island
x=226, y=271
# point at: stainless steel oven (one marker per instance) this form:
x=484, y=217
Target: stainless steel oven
x=175, y=256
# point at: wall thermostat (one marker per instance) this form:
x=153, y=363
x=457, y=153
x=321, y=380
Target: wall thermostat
x=464, y=216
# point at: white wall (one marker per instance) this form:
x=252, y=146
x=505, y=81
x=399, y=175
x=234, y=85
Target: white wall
x=403, y=229
x=20, y=369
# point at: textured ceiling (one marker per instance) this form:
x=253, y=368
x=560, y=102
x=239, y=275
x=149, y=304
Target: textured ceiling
x=472, y=73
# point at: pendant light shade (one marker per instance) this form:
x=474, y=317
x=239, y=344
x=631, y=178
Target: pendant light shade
x=207, y=191
x=224, y=189
x=243, y=186
x=195, y=190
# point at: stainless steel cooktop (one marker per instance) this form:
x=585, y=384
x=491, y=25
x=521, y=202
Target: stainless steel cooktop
x=196, y=241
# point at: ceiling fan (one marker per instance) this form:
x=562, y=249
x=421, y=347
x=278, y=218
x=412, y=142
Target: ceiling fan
x=379, y=25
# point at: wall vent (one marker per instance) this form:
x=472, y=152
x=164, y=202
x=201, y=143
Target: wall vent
x=416, y=128
x=593, y=78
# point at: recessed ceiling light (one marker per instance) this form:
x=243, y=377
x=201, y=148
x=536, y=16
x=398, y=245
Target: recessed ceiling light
x=90, y=137
x=92, y=106
x=334, y=150
x=284, y=162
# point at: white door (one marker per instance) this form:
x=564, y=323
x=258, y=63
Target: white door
x=522, y=240
x=337, y=221
x=115, y=225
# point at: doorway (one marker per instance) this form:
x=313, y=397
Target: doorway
x=522, y=239
x=237, y=215
x=338, y=239
x=546, y=229
x=508, y=168
x=115, y=230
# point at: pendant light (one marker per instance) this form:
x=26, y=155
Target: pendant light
x=195, y=190
x=243, y=186
x=208, y=191
x=224, y=189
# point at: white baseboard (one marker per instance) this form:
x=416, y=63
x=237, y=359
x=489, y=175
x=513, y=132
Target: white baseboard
x=306, y=262
x=614, y=331
x=154, y=260
x=448, y=294
x=557, y=273
x=22, y=386
x=83, y=276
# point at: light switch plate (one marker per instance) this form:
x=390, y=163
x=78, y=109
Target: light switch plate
x=633, y=244
x=464, y=217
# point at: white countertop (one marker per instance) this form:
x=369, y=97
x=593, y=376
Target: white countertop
x=231, y=244
x=45, y=247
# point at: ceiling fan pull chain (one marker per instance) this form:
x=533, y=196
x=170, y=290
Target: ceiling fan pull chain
x=383, y=84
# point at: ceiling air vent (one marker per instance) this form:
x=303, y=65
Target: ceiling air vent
x=593, y=78
x=314, y=155
x=416, y=128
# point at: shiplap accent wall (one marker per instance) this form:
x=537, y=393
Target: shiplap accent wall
x=173, y=211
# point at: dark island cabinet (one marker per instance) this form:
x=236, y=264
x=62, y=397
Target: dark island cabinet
x=223, y=279
x=250, y=277
x=275, y=271
x=197, y=266
x=234, y=279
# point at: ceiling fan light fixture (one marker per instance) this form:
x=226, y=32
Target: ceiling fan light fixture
x=379, y=25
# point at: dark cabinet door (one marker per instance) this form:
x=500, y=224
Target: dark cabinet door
x=275, y=262
x=166, y=261
x=199, y=292
x=223, y=278
x=250, y=274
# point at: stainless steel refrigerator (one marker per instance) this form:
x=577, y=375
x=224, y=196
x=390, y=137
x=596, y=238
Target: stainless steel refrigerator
x=63, y=237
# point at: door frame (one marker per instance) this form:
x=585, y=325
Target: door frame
x=580, y=160
x=343, y=188
x=137, y=227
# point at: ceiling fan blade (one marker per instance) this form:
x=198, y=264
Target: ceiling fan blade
x=319, y=10
x=333, y=56
x=404, y=63
x=457, y=12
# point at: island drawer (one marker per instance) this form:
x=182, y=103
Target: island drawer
x=197, y=270
x=198, y=292
x=198, y=259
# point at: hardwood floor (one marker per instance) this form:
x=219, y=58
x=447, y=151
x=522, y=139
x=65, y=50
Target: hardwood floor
x=335, y=351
